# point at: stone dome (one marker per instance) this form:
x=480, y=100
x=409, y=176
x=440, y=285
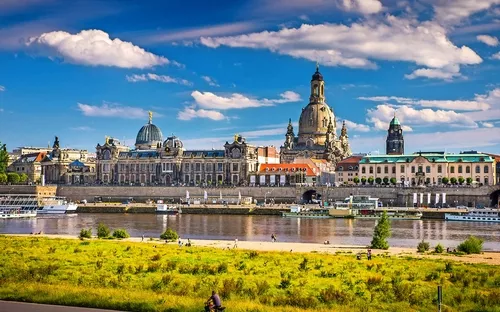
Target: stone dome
x=173, y=142
x=317, y=76
x=149, y=136
x=313, y=123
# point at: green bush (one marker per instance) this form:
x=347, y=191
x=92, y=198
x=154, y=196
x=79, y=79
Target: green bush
x=13, y=177
x=381, y=233
x=439, y=248
x=169, y=234
x=85, y=233
x=3, y=178
x=378, y=180
x=453, y=180
x=423, y=246
x=102, y=230
x=469, y=180
x=363, y=180
x=356, y=180
x=120, y=233
x=23, y=177
x=370, y=180
x=386, y=180
x=461, y=180
x=393, y=181
x=445, y=180
x=471, y=245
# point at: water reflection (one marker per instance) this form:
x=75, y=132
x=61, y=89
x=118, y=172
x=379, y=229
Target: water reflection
x=405, y=233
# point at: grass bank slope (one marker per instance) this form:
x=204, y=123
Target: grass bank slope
x=162, y=277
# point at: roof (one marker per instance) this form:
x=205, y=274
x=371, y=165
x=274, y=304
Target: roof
x=287, y=169
x=432, y=157
x=349, y=161
x=77, y=163
x=395, y=121
x=149, y=134
x=207, y=153
x=138, y=154
x=31, y=157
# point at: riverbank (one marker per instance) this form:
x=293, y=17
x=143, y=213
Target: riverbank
x=489, y=257
x=130, y=275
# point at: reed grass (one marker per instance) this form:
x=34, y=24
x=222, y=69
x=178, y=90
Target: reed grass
x=154, y=276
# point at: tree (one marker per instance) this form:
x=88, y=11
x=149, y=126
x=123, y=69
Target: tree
x=453, y=180
x=363, y=180
x=393, y=181
x=471, y=245
x=461, y=180
x=4, y=158
x=381, y=233
x=23, y=177
x=469, y=180
x=169, y=234
x=3, y=178
x=13, y=177
x=386, y=180
x=102, y=230
x=370, y=180
x=378, y=180
x=444, y=180
x=356, y=180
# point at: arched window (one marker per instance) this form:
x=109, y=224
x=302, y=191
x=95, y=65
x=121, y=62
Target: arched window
x=486, y=169
x=467, y=169
x=363, y=170
x=325, y=122
x=452, y=169
x=460, y=169
x=386, y=169
x=478, y=169
x=322, y=90
x=371, y=169
x=378, y=170
x=428, y=169
x=315, y=90
x=106, y=155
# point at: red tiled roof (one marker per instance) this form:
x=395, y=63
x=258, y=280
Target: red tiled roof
x=352, y=160
x=286, y=168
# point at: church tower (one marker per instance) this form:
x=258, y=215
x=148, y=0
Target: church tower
x=395, y=144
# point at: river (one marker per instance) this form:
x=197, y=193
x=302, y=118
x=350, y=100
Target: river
x=405, y=233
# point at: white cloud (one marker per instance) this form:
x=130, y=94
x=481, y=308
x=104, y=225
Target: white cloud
x=210, y=81
x=480, y=102
x=94, y=47
x=496, y=56
x=357, y=45
x=2, y=88
x=82, y=128
x=381, y=115
x=304, y=17
x=487, y=125
x=355, y=127
x=190, y=113
x=160, y=78
x=362, y=6
x=488, y=40
x=113, y=110
x=445, y=73
x=451, y=12
x=238, y=101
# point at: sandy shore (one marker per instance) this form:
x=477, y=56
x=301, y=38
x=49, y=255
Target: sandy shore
x=492, y=258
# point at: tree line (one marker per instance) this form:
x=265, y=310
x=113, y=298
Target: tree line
x=9, y=177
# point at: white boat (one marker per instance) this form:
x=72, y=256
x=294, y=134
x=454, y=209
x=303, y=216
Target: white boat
x=475, y=215
x=15, y=206
x=162, y=208
x=392, y=215
x=57, y=205
x=297, y=211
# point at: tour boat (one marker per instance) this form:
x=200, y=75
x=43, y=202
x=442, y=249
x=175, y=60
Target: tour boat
x=392, y=215
x=302, y=212
x=18, y=206
x=162, y=208
x=475, y=215
x=57, y=205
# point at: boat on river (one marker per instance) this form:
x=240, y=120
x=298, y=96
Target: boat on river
x=18, y=206
x=367, y=207
x=409, y=214
x=297, y=211
x=56, y=205
x=475, y=215
x=162, y=208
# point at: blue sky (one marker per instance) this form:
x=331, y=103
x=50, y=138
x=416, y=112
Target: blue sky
x=210, y=69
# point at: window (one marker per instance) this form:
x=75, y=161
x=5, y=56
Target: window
x=363, y=170
x=220, y=167
x=209, y=178
x=478, y=169
x=198, y=167
x=485, y=169
x=186, y=178
x=428, y=169
x=486, y=181
x=371, y=169
x=394, y=169
x=452, y=169
x=341, y=168
x=460, y=169
x=467, y=169
x=412, y=169
x=440, y=169
x=235, y=167
x=209, y=167
x=402, y=168
x=378, y=170
x=420, y=169
x=186, y=167
x=350, y=168
x=386, y=169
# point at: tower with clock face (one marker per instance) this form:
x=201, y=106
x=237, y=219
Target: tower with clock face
x=395, y=144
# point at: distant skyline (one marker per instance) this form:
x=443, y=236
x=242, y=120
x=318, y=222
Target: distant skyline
x=209, y=70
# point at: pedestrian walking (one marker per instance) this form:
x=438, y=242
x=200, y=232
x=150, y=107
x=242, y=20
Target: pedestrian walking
x=369, y=254
x=142, y=238
x=235, y=243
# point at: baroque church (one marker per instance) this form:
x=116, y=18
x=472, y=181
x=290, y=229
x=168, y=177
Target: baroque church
x=317, y=137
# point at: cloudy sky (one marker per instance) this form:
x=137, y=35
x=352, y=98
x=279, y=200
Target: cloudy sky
x=210, y=69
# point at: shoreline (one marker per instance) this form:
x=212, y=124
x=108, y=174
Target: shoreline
x=486, y=257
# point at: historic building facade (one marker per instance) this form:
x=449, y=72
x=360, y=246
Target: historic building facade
x=29, y=164
x=158, y=162
x=395, y=144
x=317, y=135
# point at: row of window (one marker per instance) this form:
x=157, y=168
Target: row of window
x=427, y=169
x=209, y=179
x=219, y=167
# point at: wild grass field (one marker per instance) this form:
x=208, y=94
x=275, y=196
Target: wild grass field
x=156, y=276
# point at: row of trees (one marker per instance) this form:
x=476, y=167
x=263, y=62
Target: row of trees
x=393, y=181
x=9, y=177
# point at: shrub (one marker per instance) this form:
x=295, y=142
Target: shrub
x=356, y=180
x=439, y=248
x=423, y=246
x=448, y=267
x=386, y=180
x=13, y=177
x=84, y=233
x=444, y=180
x=102, y=230
x=469, y=180
x=381, y=233
x=169, y=234
x=393, y=181
x=363, y=180
x=370, y=180
x=3, y=178
x=453, y=180
x=461, y=180
x=378, y=180
x=120, y=233
x=471, y=245
x=23, y=177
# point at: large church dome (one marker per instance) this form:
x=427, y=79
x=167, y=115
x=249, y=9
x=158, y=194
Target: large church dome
x=149, y=135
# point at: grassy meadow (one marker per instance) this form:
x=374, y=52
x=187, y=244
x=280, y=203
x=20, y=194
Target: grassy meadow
x=156, y=276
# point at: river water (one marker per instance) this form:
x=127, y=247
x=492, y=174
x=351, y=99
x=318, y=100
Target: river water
x=405, y=233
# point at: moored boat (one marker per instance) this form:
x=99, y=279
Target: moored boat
x=16, y=213
x=475, y=215
x=56, y=205
x=18, y=206
x=162, y=208
x=304, y=212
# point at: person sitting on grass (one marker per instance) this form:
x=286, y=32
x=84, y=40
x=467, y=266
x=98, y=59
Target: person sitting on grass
x=213, y=302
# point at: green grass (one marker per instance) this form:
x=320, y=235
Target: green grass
x=163, y=277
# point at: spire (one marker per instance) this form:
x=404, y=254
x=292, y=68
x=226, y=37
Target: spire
x=150, y=113
x=343, y=132
x=330, y=126
x=290, y=128
x=317, y=66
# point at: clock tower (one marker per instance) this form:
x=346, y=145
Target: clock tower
x=395, y=144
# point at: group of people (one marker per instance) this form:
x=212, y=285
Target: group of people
x=274, y=238
x=188, y=244
x=368, y=255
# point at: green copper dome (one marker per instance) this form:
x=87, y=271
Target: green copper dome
x=395, y=121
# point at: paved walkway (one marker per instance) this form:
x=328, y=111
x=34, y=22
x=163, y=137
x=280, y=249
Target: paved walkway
x=10, y=306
